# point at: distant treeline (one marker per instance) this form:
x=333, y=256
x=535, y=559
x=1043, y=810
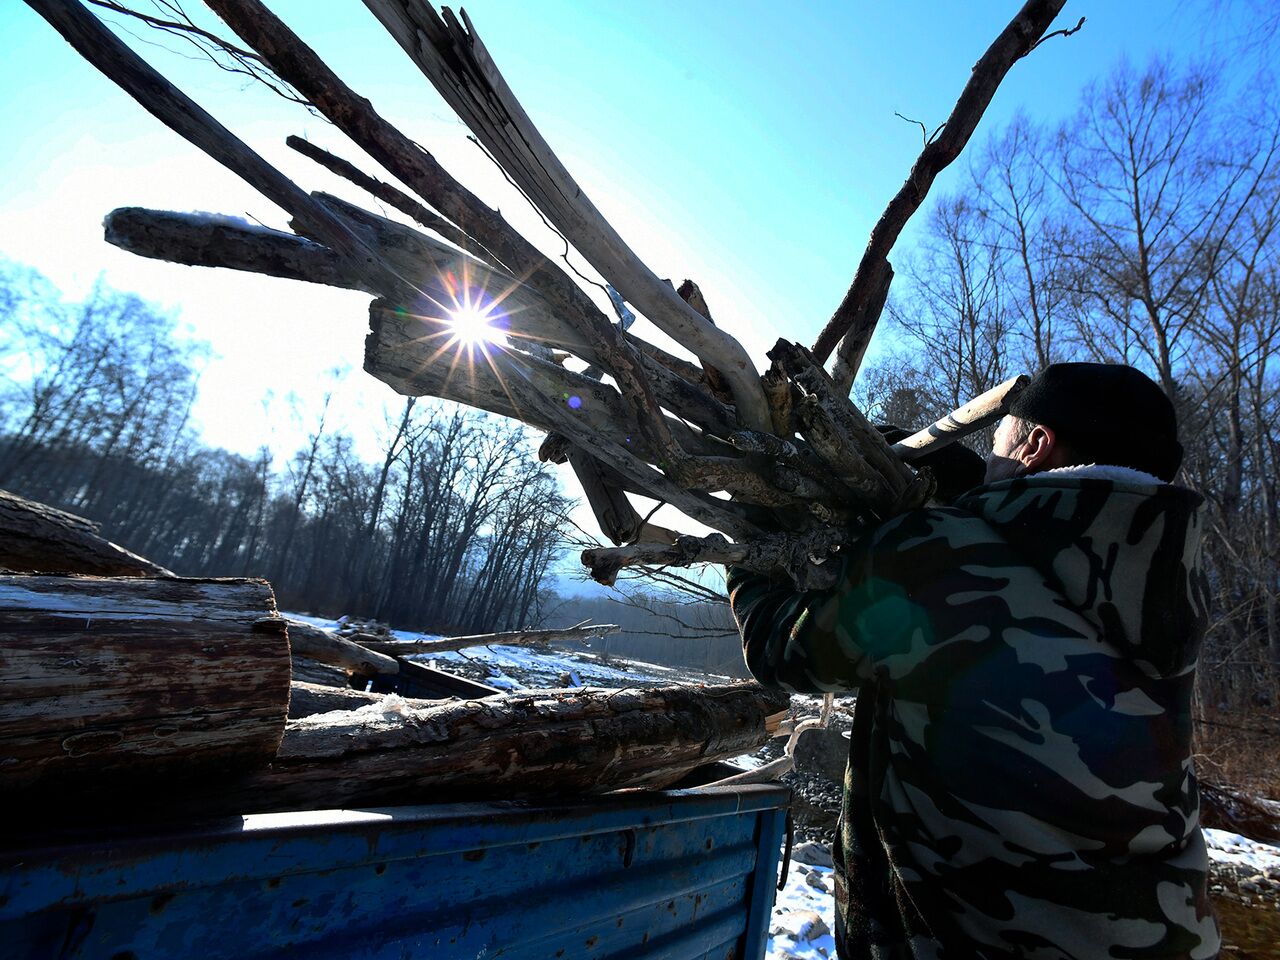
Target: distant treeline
x=454, y=528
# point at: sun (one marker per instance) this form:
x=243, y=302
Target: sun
x=472, y=326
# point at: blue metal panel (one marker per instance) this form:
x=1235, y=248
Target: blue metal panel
x=681, y=874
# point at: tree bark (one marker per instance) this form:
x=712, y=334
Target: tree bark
x=35, y=538
x=122, y=681
x=536, y=745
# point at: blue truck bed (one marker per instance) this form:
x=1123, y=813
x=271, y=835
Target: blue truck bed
x=676, y=874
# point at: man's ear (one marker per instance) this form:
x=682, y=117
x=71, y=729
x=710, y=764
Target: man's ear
x=1037, y=452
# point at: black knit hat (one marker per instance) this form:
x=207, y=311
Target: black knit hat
x=1105, y=413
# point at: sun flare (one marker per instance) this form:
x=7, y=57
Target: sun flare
x=473, y=327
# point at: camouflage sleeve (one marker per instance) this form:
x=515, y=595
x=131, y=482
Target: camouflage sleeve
x=877, y=622
x=789, y=637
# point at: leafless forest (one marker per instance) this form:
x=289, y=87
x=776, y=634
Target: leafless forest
x=454, y=528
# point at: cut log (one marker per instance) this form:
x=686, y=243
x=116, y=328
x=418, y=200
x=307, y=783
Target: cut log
x=320, y=674
x=537, y=744
x=389, y=674
x=404, y=648
x=308, y=699
x=309, y=641
x=35, y=538
x=123, y=681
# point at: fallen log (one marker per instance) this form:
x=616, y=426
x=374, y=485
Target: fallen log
x=404, y=648
x=308, y=699
x=320, y=674
x=36, y=538
x=536, y=744
x=309, y=641
x=120, y=682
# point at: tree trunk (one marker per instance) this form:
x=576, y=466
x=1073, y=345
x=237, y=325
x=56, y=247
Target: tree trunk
x=537, y=745
x=35, y=538
x=117, y=682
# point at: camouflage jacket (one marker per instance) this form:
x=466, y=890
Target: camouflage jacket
x=1019, y=780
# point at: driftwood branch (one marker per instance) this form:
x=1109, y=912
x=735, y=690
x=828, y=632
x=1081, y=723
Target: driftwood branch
x=863, y=324
x=456, y=62
x=35, y=538
x=1017, y=39
x=979, y=412
x=389, y=194
x=790, y=553
x=202, y=240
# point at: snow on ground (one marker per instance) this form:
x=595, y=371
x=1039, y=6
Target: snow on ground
x=804, y=911
x=519, y=667
x=1231, y=848
x=804, y=915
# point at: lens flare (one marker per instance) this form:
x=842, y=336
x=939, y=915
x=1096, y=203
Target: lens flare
x=472, y=326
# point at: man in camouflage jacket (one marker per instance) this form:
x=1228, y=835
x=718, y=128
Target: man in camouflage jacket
x=1019, y=781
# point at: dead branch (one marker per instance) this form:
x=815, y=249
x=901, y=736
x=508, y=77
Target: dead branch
x=979, y=412
x=456, y=62
x=770, y=553
x=510, y=638
x=1017, y=39
x=170, y=106
x=389, y=194
x=783, y=464
x=201, y=240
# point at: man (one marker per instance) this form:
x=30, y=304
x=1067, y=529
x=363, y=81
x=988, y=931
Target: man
x=1019, y=780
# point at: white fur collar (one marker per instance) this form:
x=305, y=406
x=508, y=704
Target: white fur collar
x=1102, y=471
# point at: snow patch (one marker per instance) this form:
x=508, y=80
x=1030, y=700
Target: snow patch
x=804, y=916
x=1227, y=847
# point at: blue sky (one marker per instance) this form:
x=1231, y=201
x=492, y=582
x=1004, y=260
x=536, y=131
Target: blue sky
x=749, y=146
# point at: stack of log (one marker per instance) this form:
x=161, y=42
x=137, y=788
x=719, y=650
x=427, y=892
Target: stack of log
x=781, y=465
x=175, y=696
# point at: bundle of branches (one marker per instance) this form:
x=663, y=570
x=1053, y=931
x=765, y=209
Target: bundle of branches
x=782, y=464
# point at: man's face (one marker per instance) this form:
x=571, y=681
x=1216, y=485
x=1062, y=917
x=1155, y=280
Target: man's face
x=1000, y=462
